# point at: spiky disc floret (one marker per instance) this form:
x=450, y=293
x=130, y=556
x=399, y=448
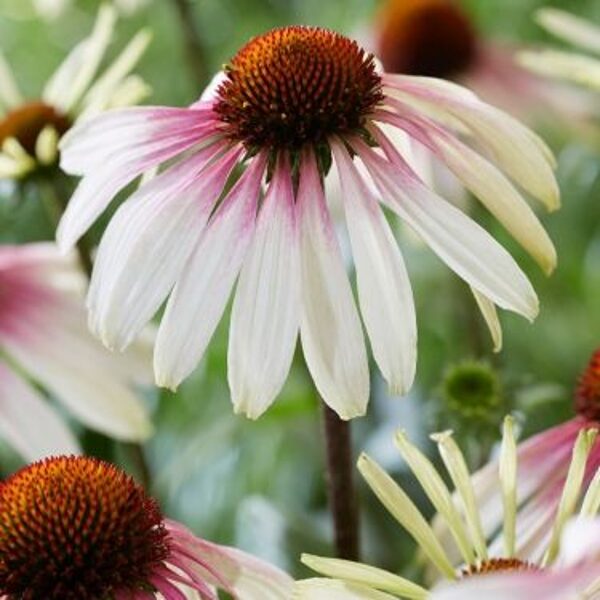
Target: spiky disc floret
x=499, y=565
x=26, y=122
x=426, y=37
x=587, y=394
x=77, y=528
x=295, y=86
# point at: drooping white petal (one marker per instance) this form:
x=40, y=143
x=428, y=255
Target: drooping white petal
x=460, y=242
x=266, y=309
x=330, y=329
x=335, y=589
x=67, y=86
x=517, y=150
x=361, y=574
x=485, y=181
x=201, y=294
x=10, y=96
x=570, y=28
x=147, y=243
x=490, y=316
x=29, y=423
x=384, y=287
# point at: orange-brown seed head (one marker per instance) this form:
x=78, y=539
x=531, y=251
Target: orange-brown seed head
x=26, y=122
x=587, y=393
x=498, y=565
x=77, y=528
x=295, y=86
x=434, y=38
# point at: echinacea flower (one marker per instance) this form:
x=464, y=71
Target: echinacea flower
x=291, y=103
x=31, y=129
x=543, y=466
x=44, y=340
x=77, y=528
x=439, y=38
x=571, y=66
x=492, y=566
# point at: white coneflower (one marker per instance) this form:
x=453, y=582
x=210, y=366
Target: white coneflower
x=291, y=103
x=31, y=129
x=77, y=528
x=493, y=566
x=571, y=66
x=44, y=338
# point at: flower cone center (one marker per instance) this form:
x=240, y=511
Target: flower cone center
x=498, y=565
x=295, y=86
x=587, y=394
x=426, y=37
x=77, y=528
x=26, y=122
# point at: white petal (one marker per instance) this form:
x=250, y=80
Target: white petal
x=580, y=541
x=29, y=422
x=490, y=315
x=570, y=28
x=99, y=95
x=577, y=68
x=362, y=574
x=147, y=243
x=517, y=150
x=330, y=330
x=266, y=308
x=465, y=246
x=201, y=294
x=10, y=96
x=384, y=289
x=334, y=589
x=66, y=87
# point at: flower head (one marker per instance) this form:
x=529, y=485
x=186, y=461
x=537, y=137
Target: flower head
x=490, y=561
x=44, y=336
x=245, y=200
x=80, y=528
x=31, y=129
x=570, y=66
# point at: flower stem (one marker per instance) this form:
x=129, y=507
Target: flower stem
x=194, y=48
x=342, y=493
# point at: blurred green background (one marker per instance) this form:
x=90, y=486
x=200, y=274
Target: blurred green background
x=260, y=485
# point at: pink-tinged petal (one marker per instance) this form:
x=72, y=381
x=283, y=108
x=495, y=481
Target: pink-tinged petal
x=484, y=180
x=266, y=309
x=148, y=242
x=580, y=541
x=551, y=584
x=384, y=289
x=240, y=574
x=335, y=589
x=29, y=423
x=460, y=242
x=112, y=152
x=330, y=329
x=515, y=148
x=201, y=294
x=167, y=589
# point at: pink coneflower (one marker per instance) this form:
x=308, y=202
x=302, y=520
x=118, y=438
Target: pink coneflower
x=474, y=563
x=30, y=129
x=76, y=528
x=44, y=336
x=544, y=461
x=439, y=38
x=293, y=102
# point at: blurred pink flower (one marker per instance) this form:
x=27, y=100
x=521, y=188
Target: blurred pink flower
x=291, y=103
x=44, y=336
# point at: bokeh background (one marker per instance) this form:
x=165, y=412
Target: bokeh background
x=261, y=485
